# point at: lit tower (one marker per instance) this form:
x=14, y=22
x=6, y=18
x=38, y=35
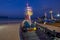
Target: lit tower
x=45, y=15
x=28, y=13
x=51, y=13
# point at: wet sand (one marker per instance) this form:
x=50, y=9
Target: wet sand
x=9, y=31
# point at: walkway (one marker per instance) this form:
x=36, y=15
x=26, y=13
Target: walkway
x=30, y=36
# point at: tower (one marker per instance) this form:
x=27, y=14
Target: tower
x=51, y=13
x=28, y=13
x=45, y=18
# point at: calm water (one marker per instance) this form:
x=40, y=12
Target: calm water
x=10, y=20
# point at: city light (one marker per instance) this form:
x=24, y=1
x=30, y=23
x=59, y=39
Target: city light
x=58, y=15
x=51, y=11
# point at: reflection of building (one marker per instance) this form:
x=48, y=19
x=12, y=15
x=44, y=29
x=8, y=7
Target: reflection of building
x=58, y=15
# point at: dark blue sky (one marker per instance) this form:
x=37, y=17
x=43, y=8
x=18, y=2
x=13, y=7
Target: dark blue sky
x=16, y=8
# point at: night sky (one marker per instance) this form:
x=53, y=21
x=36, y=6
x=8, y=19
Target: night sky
x=16, y=8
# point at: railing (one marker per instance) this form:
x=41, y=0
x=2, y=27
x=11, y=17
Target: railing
x=49, y=33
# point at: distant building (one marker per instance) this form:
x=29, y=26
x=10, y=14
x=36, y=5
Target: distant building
x=51, y=13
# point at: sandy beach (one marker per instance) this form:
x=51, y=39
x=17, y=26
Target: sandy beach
x=9, y=31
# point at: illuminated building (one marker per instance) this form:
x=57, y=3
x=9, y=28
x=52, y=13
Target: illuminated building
x=51, y=13
x=28, y=14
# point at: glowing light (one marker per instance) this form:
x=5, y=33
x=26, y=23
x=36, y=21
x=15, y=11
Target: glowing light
x=29, y=12
x=34, y=28
x=51, y=11
x=58, y=15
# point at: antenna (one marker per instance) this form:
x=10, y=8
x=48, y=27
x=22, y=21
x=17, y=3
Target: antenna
x=27, y=4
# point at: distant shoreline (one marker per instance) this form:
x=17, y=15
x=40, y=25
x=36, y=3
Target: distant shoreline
x=9, y=22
